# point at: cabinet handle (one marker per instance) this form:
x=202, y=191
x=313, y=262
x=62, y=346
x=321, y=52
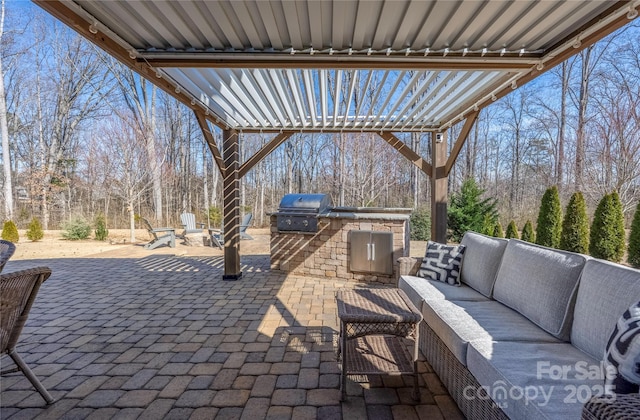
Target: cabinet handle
x=368, y=252
x=373, y=252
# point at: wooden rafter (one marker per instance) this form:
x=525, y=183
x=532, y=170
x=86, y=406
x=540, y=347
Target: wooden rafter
x=407, y=152
x=263, y=152
x=211, y=141
x=60, y=11
x=563, y=55
x=460, y=141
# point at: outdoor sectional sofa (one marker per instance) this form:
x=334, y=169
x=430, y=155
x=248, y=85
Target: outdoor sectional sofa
x=524, y=335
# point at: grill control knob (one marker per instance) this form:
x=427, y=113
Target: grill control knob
x=305, y=223
x=289, y=222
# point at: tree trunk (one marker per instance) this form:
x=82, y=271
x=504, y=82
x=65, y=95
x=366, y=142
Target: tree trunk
x=582, y=111
x=4, y=132
x=563, y=123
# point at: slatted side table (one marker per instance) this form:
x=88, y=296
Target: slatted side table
x=372, y=325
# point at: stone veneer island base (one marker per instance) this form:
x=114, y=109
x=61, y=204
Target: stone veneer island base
x=327, y=252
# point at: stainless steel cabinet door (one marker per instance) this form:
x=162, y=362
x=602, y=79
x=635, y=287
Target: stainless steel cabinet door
x=360, y=250
x=382, y=252
x=371, y=252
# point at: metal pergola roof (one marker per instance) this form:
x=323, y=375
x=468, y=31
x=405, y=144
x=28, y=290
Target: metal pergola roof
x=329, y=65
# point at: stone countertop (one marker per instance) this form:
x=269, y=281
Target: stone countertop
x=373, y=213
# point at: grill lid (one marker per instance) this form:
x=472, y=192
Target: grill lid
x=305, y=202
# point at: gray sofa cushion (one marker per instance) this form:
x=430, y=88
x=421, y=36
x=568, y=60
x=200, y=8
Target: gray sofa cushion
x=606, y=291
x=535, y=368
x=540, y=283
x=481, y=261
x=419, y=290
x=460, y=322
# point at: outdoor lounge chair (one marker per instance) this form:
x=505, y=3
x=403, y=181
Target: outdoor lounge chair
x=217, y=236
x=6, y=251
x=18, y=290
x=169, y=237
x=188, y=221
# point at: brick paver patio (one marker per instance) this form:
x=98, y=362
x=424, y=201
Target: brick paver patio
x=162, y=336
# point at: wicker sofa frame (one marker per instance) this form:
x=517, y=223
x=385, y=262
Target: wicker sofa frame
x=456, y=377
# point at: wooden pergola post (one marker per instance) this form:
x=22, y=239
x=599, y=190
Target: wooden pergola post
x=231, y=204
x=439, y=184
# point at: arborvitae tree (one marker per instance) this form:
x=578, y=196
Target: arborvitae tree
x=10, y=232
x=549, y=219
x=468, y=210
x=634, y=240
x=498, y=232
x=575, y=226
x=527, y=232
x=420, y=225
x=512, y=231
x=488, y=225
x=607, y=230
x=101, y=228
x=34, y=231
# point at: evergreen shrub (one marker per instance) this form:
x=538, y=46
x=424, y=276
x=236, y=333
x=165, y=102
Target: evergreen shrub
x=634, y=240
x=607, y=230
x=76, y=228
x=469, y=211
x=488, y=225
x=420, y=225
x=498, y=232
x=101, y=231
x=512, y=231
x=575, y=226
x=215, y=216
x=34, y=230
x=549, y=225
x=10, y=232
x=528, y=234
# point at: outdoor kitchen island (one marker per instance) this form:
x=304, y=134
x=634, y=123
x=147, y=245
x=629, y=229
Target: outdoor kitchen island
x=353, y=243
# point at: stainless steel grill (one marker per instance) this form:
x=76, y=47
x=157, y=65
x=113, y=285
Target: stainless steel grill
x=299, y=212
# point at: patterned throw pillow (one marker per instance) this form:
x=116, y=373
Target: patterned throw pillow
x=623, y=354
x=442, y=263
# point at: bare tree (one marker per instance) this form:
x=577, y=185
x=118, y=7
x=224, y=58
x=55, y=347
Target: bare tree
x=140, y=97
x=74, y=93
x=4, y=131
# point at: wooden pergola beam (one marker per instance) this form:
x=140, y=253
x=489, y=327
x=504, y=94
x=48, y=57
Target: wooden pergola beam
x=585, y=42
x=406, y=151
x=211, y=142
x=287, y=61
x=460, y=141
x=264, y=152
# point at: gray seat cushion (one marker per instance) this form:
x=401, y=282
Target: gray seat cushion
x=460, y=322
x=534, y=368
x=606, y=291
x=540, y=283
x=481, y=261
x=420, y=289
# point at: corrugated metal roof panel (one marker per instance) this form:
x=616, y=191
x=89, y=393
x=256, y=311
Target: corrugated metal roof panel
x=291, y=64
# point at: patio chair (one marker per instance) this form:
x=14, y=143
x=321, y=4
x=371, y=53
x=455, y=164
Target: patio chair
x=169, y=237
x=18, y=290
x=188, y=221
x=217, y=236
x=6, y=251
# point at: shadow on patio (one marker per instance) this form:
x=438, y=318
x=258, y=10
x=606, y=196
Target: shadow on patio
x=163, y=336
